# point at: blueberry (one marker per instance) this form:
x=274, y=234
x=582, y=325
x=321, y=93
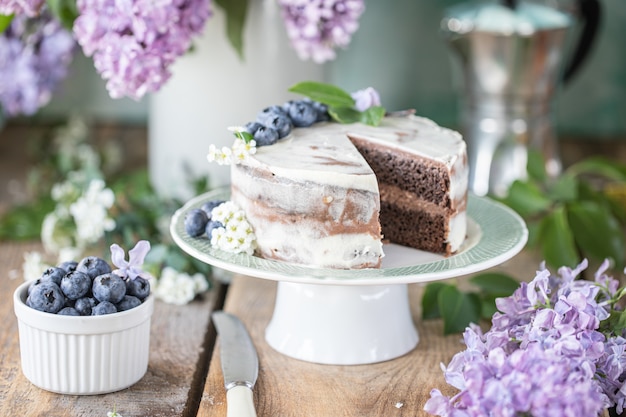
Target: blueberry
x=32, y=284
x=53, y=274
x=252, y=127
x=265, y=136
x=105, y=307
x=68, y=311
x=322, y=111
x=287, y=105
x=138, y=287
x=212, y=225
x=195, y=222
x=68, y=266
x=109, y=287
x=280, y=123
x=84, y=305
x=46, y=296
x=93, y=266
x=127, y=303
x=210, y=205
x=268, y=113
x=75, y=285
x=302, y=113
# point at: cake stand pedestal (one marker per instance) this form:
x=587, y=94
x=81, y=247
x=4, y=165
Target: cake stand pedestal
x=352, y=317
x=342, y=325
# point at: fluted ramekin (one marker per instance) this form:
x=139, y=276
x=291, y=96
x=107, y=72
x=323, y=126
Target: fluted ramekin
x=83, y=355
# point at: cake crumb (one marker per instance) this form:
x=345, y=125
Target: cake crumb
x=399, y=404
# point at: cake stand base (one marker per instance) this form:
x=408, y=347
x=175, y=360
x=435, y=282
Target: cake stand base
x=342, y=325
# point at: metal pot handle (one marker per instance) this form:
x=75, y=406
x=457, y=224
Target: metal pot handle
x=590, y=14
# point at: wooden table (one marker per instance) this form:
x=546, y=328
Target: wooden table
x=184, y=376
x=288, y=387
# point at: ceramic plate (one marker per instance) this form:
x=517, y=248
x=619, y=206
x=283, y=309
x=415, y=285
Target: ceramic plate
x=495, y=234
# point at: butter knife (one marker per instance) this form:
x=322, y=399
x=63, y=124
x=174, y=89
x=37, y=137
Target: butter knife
x=240, y=364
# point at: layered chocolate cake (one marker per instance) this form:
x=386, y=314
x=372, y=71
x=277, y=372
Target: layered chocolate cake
x=320, y=195
x=421, y=170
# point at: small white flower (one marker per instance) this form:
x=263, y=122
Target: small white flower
x=178, y=287
x=242, y=150
x=54, y=235
x=222, y=157
x=236, y=129
x=200, y=283
x=224, y=212
x=69, y=254
x=65, y=191
x=237, y=234
x=33, y=266
x=90, y=213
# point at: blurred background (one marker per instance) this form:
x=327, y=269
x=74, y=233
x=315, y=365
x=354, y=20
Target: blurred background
x=398, y=50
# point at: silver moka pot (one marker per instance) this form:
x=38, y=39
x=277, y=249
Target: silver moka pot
x=512, y=61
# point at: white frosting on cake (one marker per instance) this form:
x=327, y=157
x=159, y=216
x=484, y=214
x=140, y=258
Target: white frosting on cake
x=306, y=155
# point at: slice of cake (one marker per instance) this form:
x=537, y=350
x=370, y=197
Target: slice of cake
x=422, y=173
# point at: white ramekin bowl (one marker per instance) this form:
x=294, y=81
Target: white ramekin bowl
x=83, y=355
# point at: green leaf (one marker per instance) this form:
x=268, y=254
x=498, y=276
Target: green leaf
x=157, y=254
x=534, y=233
x=526, y=199
x=488, y=306
x=236, y=12
x=328, y=94
x=536, y=166
x=65, y=10
x=176, y=260
x=24, y=222
x=600, y=166
x=596, y=231
x=344, y=114
x=621, y=322
x=5, y=21
x=494, y=283
x=372, y=116
x=565, y=188
x=458, y=309
x=557, y=240
x=430, y=303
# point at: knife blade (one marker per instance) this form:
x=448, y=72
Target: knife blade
x=240, y=364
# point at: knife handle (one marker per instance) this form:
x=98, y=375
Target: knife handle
x=239, y=402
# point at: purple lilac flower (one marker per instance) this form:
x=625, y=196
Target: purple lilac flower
x=132, y=268
x=316, y=27
x=546, y=346
x=134, y=42
x=30, y=8
x=533, y=381
x=366, y=98
x=34, y=58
